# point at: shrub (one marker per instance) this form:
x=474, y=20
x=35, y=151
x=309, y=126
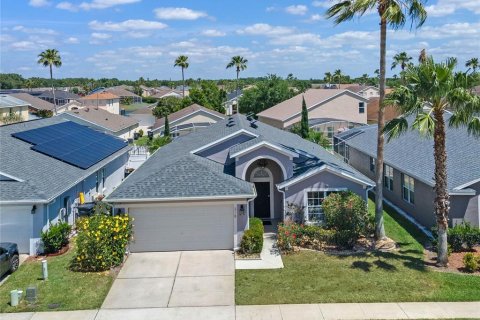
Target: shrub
x=470, y=262
x=455, y=238
x=463, y=235
x=308, y=236
x=56, y=237
x=252, y=240
x=140, y=133
x=346, y=213
x=102, y=241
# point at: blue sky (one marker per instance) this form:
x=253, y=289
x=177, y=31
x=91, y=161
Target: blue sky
x=132, y=38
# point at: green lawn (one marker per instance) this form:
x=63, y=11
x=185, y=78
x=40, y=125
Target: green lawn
x=314, y=277
x=72, y=290
x=134, y=106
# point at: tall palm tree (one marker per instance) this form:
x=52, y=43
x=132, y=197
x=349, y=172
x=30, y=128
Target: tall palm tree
x=393, y=13
x=328, y=77
x=401, y=59
x=437, y=86
x=182, y=62
x=240, y=64
x=472, y=64
x=51, y=58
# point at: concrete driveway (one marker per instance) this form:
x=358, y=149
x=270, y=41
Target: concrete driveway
x=174, y=279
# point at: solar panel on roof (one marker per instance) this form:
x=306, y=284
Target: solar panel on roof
x=72, y=143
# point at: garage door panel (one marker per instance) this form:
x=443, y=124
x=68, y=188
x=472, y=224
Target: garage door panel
x=182, y=228
x=16, y=226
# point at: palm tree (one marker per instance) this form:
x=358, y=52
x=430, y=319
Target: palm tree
x=437, y=86
x=328, y=77
x=182, y=62
x=401, y=59
x=337, y=75
x=240, y=64
x=472, y=64
x=391, y=12
x=49, y=58
x=422, y=57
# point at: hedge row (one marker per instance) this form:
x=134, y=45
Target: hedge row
x=252, y=241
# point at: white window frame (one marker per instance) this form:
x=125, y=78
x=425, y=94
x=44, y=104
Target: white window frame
x=321, y=215
x=361, y=107
x=408, y=189
x=388, y=177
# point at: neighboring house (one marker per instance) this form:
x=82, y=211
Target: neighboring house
x=45, y=166
x=125, y=95
x=163, y=93
x=188, y=120
x=72, y=106
x=329, y=126
x=337, y=104
x=36, y=104
x=409, y=171
x=230, y=103
x=144, y=116
x=365, y=91
x=61, y=97
x=147, y=91
x=102, y=100
x=13, y=109
x=101, y=120
x=198, y=192
x=180, y=89
x=389, y=112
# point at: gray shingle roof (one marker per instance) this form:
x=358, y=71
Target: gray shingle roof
x=174, y=172
x=36, y=102
x=9, y=101
x=43, y=177
x=413, y=154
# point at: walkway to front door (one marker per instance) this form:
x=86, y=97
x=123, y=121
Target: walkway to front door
x=174, y=279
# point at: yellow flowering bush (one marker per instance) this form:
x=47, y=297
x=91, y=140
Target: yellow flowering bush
x=101, y=242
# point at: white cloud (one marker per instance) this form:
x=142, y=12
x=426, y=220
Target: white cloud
x=213, y=33
x=297, y=9
x=127, y=25
x=67, y=6
x=265, y=30
x=39, y=3
x=322, y=4
x=103, y=4
x=34, y=30
x=24, y=46
x=447, y=7
x=102, y=36
x=72, y=40
x=178, y=14
x=297, y=39
x=315, y=17
x=138, y=34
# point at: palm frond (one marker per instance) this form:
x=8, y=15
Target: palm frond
x=395, y=128
x=424, y=123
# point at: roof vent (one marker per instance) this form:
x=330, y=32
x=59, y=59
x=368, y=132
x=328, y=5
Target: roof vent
x=253, y=124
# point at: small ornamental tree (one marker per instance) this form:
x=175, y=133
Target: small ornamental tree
x=346, y=213
x=166, y=128
x=304, y=129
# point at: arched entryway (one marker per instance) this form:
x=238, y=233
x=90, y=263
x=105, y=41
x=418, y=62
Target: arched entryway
x=265, y=174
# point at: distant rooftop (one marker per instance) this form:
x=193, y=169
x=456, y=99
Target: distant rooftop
x=8, y=101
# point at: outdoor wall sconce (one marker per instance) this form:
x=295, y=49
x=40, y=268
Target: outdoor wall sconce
x=262, y=163
x=242, y=209
x=34, y=208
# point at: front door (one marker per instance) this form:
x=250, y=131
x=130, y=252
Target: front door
x=261, y=204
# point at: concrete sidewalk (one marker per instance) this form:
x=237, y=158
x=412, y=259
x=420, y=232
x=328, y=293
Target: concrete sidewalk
x=404, y=310
x=270, y=257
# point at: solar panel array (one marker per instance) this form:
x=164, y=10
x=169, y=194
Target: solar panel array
x=72, y=143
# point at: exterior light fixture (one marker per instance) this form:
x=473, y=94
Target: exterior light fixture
x=262, y=163
x=34, y=208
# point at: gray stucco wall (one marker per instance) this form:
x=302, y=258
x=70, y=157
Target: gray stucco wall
x=263, y=152
x=323, y=180
x=461, y=207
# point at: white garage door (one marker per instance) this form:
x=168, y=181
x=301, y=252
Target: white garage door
x=182, y=228
x=16, y=226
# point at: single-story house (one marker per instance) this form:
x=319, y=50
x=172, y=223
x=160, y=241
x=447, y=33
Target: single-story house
x=101, y=120
x=144, y=116
x=103, y=100
x=13, y=109
x=409, y=170
x=61, y=97
x=188, y=120
x=339, y=104
x=36, y=104
x=45, y=166
x=197, y=192
x=124, y=94
x=230, y=103
x=163, y=93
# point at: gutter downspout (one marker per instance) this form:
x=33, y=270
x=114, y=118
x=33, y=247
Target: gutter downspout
x=283, y=193
x=248, y=206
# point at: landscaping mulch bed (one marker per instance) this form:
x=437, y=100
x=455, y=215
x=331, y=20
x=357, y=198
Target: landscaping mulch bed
x=243, y=256
x=455, y=261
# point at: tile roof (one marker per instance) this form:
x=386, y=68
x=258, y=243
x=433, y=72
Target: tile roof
x=173, y=171
x=100, y=96
x=183, y=113
x=102, y=118
x=9, y=101
x=36, y=102
x=413, y=154
x=292, y=106
x=44, y=177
